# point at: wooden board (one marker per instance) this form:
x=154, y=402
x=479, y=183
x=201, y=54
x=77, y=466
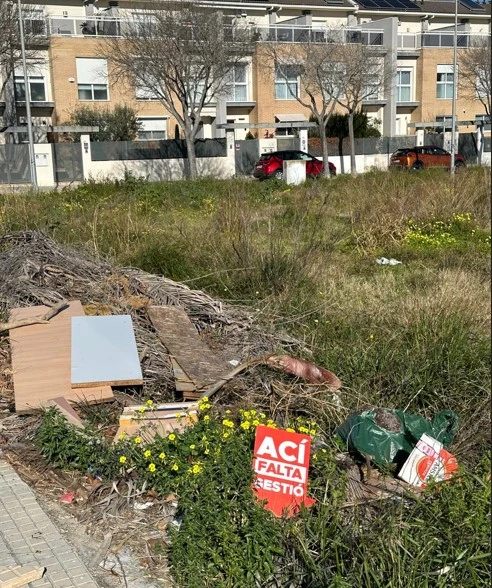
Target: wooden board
x=63, y=406
x=41, y=361
x=104, y=351
x=17, y=576
x=183, y=383
x=181, y=339
x=149, y=428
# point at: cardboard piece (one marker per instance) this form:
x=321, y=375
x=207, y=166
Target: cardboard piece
x=104, y=352
x=41, y=360
x=281, y=464
x=428, y=461
x=181, y=339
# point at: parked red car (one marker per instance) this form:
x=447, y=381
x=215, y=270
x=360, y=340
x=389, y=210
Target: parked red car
x=426, y=156
x=271, y=165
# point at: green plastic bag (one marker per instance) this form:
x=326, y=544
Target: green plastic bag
x=363, y=434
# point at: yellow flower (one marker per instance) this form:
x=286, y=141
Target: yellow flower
x=225, y=435
x=289, y=430
x=245, y=425
x=204, y=399
x=172, y=437
x=162, y=455
x=150, y=402
x=138, y=440
x=175, y=467
x=192, y=447
x=228, y=423
x=196, y=469
x=303, y=430
x=262, y=415
x=152, y=467
x=207, y=451
x=271, y=424
x=142, y=409
x=122, y=459
x=228, y=412
x=206, y=418
x=147, y=453
x=256, y=422
x=312, y=432
x=123, y=435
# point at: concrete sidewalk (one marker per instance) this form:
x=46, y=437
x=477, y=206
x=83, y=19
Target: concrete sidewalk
x=27, y=536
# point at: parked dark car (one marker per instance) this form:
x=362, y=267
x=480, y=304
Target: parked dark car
x=426, y=156
x=271, y=165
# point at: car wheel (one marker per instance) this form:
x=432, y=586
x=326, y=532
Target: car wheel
x=278, y=174
x=418, y=165
x=459, y=164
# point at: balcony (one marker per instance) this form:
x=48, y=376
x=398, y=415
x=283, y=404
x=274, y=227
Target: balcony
x=307, y=34
x=437, y=39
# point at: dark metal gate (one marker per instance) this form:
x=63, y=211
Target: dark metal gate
x=247, y=154
x=14, y=164
x=67, y=160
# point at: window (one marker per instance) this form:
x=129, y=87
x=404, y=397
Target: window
x=152, y=129
x=92, y=78
x=34, y=22
x=371, y=89
x=445, y=81
x=447, y=124
x=286, y=82
x=237, y=90
x=37, y=89
x=404, y=85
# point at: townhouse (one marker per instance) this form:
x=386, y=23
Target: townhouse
x=415, y=37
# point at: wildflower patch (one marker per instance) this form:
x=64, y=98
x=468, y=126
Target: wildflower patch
x=281, y=465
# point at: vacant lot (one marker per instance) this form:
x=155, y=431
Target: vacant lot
x=414, y=336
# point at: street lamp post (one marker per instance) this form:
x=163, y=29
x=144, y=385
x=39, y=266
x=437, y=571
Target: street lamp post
x=453, y=114
x=27, y=94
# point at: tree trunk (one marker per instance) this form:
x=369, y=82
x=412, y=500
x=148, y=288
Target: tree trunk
x=324, y=147
x=192, y=172
x=352, y=142
x=340, y=153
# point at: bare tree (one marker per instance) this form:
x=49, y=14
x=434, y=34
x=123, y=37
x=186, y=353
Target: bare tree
x=474, y=72
x=361, y=74
x=306, y=70
x=182, y=54
x=10, y=46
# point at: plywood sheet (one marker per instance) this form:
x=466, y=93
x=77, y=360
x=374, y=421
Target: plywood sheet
x=149, y=428
x=104, y=351
x=41, y=360
x=181, y=339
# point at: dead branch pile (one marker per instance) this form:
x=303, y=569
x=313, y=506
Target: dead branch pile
x=35, y=270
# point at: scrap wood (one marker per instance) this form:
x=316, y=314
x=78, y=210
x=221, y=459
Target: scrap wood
x=17, y=576
x=61, y=404
x=149, y=428
x=41, y=360
x=53, y=311
x=181, y=339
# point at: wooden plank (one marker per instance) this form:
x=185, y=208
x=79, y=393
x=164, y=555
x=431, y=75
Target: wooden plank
x=41, y=360
x=104, y=351
x=181, y=339
x=62, y=405
x=148, y=429
x=17, y=576
x=183, y=382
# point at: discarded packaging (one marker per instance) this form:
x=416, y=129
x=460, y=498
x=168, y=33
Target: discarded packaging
x=387, y=436
x=386, y=261
x=68, y=497
x=428, y=461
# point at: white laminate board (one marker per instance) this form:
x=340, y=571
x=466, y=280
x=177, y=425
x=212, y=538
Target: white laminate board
x=104, y=351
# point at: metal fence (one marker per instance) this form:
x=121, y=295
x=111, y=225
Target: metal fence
x=170, y=149
x=14, y=164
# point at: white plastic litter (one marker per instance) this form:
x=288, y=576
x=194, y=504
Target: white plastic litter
x=386, y=261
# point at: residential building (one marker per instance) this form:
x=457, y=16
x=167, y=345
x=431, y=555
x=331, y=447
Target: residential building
x=414, y=37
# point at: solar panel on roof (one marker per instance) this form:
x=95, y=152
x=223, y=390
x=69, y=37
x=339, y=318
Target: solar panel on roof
x=403, y=5
x=472, y=5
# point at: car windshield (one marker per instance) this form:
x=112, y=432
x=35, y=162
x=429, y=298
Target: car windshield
x=400, y=152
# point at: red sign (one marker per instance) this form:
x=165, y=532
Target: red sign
x=281, y=464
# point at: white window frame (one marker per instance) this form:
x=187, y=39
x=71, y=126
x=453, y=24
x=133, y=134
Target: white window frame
x=285, y=81
x=150, y=120
x=31, y=79
x=447, y=83
x=400, y=86
x=231, y=90
x=94, y=80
